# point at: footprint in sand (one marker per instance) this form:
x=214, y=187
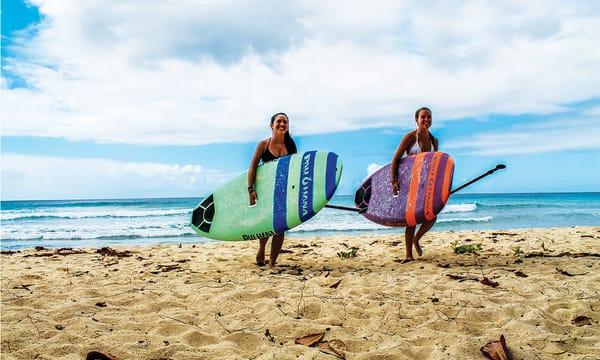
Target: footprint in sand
x=312, y=311
x=198, y=338
x=246, y=342
x=170, y=329
x=245, y=295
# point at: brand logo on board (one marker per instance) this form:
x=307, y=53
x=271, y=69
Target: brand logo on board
x=257, y=236
x=306, y=182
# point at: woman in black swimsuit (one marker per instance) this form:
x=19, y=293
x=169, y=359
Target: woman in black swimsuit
x=279, y=144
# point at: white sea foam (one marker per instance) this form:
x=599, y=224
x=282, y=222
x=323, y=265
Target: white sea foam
x=89, y=214
x=335, y=220
x=456, y=208
x=476, y=219
x=334, y=226
x=114, y=230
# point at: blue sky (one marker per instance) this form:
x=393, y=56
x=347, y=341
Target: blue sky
x=125, y=100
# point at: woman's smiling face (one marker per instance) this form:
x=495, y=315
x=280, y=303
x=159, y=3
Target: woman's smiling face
x=280, y=124
x=424, y=119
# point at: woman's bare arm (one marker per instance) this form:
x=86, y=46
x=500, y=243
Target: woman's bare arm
x=260, y=149
x=398, y=154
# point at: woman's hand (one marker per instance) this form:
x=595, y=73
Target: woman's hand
x=252, y=197
x=395, y=187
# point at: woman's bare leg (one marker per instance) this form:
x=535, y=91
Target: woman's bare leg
x=409, y=234
x=422, y=230
x=276, y=244
x=260, y=255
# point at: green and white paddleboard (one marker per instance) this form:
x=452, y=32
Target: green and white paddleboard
x=290, y=190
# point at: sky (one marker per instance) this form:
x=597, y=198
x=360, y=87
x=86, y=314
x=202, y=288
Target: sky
x=127, y=99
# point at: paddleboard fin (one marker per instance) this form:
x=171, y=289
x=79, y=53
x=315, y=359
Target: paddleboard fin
x=362, y=196
x=202, y=217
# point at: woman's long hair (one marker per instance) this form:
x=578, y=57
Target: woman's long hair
x=419, y=110
x=290, y=144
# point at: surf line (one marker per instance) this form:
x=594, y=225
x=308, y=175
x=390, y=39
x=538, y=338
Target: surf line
x=306, y=186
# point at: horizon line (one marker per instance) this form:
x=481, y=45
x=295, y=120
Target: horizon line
x=203, y=196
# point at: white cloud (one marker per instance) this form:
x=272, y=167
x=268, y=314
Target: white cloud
x=550, y=136
x=592, y=111
x=199, y=72
x=45, y=177
x=371, y=168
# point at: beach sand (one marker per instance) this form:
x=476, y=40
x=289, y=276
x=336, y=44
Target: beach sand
x=209, y=301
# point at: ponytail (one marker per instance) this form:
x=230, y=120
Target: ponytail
x=290, y=144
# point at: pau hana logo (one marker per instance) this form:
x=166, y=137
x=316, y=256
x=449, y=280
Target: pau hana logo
x=257, y=236
x=306, y=183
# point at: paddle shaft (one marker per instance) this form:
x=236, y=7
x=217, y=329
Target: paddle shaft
x=489, y=172
x=345, y=208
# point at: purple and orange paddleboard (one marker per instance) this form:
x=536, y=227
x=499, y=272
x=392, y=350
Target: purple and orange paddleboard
x=425, y=180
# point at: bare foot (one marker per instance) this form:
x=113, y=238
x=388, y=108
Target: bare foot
x=404, y=261
x=418, y=249
x=260, y=258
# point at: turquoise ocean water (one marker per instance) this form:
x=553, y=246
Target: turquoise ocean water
x=95, y=223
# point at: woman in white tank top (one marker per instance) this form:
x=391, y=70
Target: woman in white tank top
x=416, y=141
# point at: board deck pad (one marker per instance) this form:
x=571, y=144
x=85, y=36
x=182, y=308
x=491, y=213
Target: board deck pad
x=425, y=180
x=290, y=191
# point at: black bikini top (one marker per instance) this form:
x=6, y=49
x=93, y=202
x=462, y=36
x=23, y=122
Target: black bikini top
x=268, y=155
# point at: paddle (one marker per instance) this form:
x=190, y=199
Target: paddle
x=360, y=211
x=489, y=172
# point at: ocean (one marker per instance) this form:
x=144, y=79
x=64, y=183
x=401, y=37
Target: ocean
x=96, y=223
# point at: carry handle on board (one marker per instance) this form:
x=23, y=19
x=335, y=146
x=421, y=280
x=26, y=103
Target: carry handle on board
x=489, y=172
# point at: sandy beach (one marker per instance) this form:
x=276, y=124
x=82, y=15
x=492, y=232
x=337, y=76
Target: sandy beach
x=540, y=288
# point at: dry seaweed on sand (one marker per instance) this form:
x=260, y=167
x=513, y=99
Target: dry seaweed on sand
x=106, y=251
x=581, y=321
x=61, y=251
x=488, y=282
x=9, y=252
x=563, y=254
